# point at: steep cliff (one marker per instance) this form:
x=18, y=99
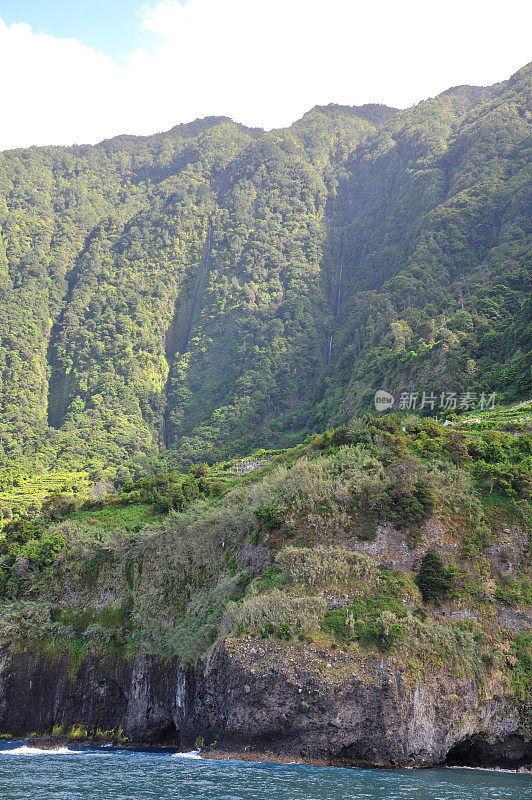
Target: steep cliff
x=258, y=700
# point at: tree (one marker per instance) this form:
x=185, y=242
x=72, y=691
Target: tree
x=433, y=579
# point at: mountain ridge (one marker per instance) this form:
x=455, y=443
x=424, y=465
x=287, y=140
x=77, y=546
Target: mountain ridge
x=339, y=251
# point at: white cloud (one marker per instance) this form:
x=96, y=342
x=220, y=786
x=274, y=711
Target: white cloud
x=262, y=62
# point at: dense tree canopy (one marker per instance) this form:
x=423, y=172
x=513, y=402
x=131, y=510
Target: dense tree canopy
x=216, y=288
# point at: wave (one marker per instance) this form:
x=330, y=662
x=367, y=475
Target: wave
x=489, y=769
x=190, y=754
x=24, y=750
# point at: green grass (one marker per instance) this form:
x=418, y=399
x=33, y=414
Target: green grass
x=131, y=518
x=27, y=489
x=518, y=414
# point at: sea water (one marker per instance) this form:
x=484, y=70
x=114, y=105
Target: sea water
x=105, y=773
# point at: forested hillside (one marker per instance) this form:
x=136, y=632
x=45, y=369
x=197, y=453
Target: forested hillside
x=213, y=289
x=361, y=598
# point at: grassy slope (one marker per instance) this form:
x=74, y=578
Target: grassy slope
x=296, y=552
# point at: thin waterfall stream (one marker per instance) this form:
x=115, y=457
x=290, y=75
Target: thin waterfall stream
x=329, y=351
x=340, y=279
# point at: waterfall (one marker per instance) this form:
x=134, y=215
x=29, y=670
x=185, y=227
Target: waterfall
x=329, y=351
x=181, y=692
x=339, y=290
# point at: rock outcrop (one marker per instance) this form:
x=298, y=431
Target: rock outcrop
x=264, y=699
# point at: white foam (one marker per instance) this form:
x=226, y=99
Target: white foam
x=489, y=769
x=24, y=750
x=190, y=754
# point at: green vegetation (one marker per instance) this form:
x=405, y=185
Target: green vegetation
x=433, y=579
x=374, y=619
x=326, y=567
x=522, y=664
x=278, y=556
x=111, y=516
x=77, y=732
x=285, y=614
x=173, y=302
x=171, y=299
x=269, y=517
x=513, y=592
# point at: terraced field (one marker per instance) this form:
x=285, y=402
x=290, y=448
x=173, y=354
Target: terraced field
x=27, y=491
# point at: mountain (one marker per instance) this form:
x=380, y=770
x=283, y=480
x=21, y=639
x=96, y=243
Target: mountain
x=355, y=597
x=216, y=288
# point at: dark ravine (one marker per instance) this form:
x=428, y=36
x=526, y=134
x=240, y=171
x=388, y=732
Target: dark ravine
x=59, y=381
x=178, y=335
x=253, y=701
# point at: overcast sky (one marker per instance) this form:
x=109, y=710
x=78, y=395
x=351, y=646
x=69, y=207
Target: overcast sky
x=75, y=71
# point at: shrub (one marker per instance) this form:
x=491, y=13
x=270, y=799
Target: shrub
x=372, y=616
x=368, y=503
x=303, y=486
x=266, y=630
x=326, y=567
x=410, y=506
x=58, y=505
x=22, y=619
x=340, y=623
x=514, y=593
x=340, y=436
x=92, y=567
x=98, y=636
x=187, y=640
x=284, y=632
x=78, y=732
x=272, y=578
x=200, y=470
x=522, y=670
x=256, y=614
x=269, y=517
x=20, y=532
x=446, y=646
x=381, y=632
x=433, y=579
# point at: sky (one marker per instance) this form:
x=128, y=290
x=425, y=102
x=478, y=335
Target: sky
x=78, y=72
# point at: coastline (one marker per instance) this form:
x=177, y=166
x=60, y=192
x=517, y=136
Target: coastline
x=248, y=755
x=262, y=757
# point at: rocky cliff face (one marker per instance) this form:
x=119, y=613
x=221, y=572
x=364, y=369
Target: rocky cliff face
x=270, y=700
x=143, y=698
